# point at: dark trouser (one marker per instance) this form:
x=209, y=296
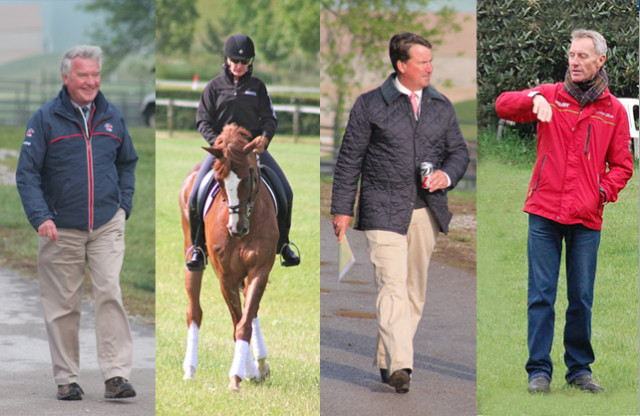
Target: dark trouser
x=195, y=215
x=544, y=251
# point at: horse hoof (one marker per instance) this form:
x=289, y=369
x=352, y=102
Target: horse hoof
x=234, y=384
x=263, y=367
x=189, y=374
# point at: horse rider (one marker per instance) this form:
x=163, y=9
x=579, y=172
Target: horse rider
x=235, y=96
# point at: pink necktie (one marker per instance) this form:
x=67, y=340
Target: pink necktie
x=414, y=102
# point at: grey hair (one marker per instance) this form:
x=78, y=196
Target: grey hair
x=82, y=51
x=599, y=42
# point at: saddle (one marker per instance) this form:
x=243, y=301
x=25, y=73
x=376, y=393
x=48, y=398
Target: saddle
x=209, y=189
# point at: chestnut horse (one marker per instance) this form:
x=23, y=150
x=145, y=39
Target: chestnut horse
x=241, y=233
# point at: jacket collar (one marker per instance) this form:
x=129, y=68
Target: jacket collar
x=66, y=108
x=226, y=72
x=390, y=93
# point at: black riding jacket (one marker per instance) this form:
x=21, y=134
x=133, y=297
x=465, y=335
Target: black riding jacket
x=246, y=103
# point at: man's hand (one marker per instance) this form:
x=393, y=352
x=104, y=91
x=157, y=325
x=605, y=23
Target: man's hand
x=340, y=225
x=438, y=180
x=542, y=108
x=48, y=229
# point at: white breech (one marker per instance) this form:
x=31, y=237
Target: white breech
x=190, y=362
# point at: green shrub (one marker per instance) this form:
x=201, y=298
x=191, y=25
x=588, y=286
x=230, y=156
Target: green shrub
x=524, y=43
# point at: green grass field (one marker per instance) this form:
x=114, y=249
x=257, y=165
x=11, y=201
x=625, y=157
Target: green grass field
x=19, y=242
x=289, y=311
x=502, y=312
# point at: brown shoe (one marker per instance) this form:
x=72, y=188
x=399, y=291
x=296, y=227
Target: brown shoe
x=71, y=391
x=400, y=379
x=539, y=384
x=586, y=383
x=118, y=388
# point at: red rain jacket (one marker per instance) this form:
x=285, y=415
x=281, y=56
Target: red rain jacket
x=580, y=154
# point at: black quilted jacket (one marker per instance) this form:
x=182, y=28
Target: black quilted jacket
x=383, y=147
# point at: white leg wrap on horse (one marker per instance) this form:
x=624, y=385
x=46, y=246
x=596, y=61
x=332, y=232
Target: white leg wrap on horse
x=190, y=362
x=242, y=365
x=257, y=342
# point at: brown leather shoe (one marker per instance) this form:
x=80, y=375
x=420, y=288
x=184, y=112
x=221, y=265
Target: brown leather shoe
x=401, y=379
x=71, y=391
x=586, y=383
x=118, y=388
x=539, y=384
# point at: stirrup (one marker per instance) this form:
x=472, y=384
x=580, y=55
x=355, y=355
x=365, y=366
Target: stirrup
x=289, y=244
x=188, y=259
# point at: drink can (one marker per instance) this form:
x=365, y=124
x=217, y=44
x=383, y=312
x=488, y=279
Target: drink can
x=426, y=169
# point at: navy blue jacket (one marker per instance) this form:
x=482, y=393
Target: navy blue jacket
x=382, y=148
x=77, y=179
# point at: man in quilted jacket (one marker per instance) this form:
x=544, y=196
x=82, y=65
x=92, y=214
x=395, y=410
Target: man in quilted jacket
x=391, y=131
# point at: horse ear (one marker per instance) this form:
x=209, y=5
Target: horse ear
x=249, y=147
x=214, y=151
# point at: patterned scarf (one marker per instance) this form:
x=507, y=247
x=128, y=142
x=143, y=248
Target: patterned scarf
x=586, y=92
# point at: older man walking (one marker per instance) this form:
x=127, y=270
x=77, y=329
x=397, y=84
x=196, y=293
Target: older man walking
x=76, y=180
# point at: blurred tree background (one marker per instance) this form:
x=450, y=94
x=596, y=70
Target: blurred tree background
x=191, y=34
x=130, y=27
x=356, y=34
x=522, y=43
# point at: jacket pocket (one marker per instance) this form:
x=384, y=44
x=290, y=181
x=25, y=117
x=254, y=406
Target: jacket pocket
x=538, y=176
x=586, y=145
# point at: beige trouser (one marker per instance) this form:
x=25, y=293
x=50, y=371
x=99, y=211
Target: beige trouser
x=401, y=264
x=61, y=272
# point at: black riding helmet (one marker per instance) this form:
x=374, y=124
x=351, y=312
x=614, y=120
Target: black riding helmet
x=239, y=47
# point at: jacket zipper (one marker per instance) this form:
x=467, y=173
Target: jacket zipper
x=87, y=138
x=586, y=146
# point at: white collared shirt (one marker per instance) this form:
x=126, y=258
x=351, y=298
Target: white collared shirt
x=406, y=91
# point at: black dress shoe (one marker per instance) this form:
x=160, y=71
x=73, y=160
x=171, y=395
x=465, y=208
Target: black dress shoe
x=70, y=391
x=539, y=384
x=198, y=261
x=586, y=383
x=400, y=379
x=289, y=258
x=384, y=375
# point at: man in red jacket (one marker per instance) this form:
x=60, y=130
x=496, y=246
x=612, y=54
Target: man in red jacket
x=583, y=162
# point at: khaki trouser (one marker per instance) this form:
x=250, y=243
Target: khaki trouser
x=61, y=272
x=401, y=264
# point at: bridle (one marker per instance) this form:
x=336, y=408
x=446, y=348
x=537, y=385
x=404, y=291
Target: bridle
x=250, y=201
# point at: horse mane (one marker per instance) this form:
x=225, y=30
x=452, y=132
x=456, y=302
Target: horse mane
x=231, y=141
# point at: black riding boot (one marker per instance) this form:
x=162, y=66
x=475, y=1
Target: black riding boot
x=196, y=257
x=289, y=257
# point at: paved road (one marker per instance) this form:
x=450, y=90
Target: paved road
x=26, y=383
x=445, y=350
